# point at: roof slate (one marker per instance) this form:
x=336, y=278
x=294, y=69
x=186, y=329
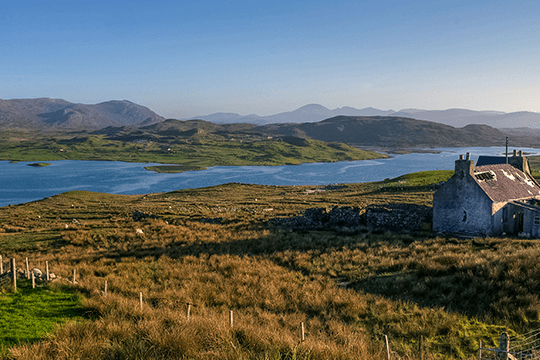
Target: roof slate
x=490, y=160
x=508, y=183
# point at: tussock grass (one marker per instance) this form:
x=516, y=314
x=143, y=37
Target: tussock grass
x=349, y=289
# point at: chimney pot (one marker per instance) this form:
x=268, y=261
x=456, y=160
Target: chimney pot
x=515, y=152
x=520, y=152
x=468, y=156
x=461, y=157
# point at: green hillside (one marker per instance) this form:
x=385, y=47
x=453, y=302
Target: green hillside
x=194, y=147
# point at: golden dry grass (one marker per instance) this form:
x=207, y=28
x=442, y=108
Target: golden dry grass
x=349, y=289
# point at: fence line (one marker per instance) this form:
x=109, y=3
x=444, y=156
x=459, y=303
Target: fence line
x=527, y=347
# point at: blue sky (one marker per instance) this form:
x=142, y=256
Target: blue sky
x=184, y=59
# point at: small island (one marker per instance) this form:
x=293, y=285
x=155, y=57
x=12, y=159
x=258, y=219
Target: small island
x=173, y=169
x=40, y=164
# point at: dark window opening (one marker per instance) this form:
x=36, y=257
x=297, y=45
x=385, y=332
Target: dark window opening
x=464, y=216
x=518, y=222
x=483, y=176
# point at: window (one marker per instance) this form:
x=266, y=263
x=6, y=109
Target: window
x=537, y=220
x=484, y=176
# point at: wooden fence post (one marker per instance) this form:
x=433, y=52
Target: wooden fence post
x=231, y=318
x=74, y=276
x=1, y=265
x=188, y=311
x=140, y=299
x=33, y=280
x=47, y=270
x=386, y=347
x=480, y=350
x=302, y=333
x=13, y=275
x=105, y=289
x=504, y=345
x=421, y=347
x=27, y=270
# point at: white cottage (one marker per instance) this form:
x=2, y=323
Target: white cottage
x=491, y=199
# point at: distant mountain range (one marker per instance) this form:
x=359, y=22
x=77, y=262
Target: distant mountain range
x=44, y=113
x=307, y=113
x=452, y=117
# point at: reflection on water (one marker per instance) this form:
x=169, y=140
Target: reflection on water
x=20, y=183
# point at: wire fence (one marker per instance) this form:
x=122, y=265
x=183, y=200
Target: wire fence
x=522, y=347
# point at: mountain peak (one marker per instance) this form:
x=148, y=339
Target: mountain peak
x=45, y=113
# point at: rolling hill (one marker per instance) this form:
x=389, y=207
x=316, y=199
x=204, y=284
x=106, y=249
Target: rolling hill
x=44, y=113
x=389, y=131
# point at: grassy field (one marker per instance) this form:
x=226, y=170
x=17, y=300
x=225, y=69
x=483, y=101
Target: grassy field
x=193, y=153
x=218, y=249
x=28, y=315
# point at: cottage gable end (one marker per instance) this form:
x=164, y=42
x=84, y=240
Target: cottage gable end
x=460, y=205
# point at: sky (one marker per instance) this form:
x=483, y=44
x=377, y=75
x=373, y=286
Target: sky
x=188, y=58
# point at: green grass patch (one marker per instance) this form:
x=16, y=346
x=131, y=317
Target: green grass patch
x=423, y=177
x=29, y=314
x=19, y=240
x=419, y=181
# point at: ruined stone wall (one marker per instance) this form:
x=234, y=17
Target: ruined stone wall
x=395, y=217
x=399, y=217
x=325, y=218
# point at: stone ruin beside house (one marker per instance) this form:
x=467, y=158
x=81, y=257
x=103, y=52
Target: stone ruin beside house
x=395, y=217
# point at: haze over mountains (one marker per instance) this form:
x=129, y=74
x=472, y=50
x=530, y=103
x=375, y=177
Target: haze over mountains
x=452, y=117
x=359, y=127
x=44, y=113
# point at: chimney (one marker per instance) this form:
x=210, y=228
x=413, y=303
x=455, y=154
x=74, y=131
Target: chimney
x=520, y=162
x=464, y=167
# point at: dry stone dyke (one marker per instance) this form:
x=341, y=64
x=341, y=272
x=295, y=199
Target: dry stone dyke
x=141, y=215
x=324, y=218
x=399, y=217
x=396, y=217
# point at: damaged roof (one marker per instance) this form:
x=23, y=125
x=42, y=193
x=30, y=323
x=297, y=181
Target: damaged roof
x=504, y=182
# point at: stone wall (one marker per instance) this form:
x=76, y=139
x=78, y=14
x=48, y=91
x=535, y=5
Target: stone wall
x=396, y=217
x=399, y=217
x=324, y=218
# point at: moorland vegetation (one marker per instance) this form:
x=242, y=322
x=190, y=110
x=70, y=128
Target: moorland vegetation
x=218, y=249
